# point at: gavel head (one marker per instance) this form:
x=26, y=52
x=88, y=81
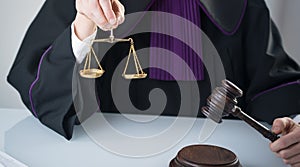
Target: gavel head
x=222, y=101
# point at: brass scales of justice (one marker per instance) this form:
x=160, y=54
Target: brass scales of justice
x=88, y=72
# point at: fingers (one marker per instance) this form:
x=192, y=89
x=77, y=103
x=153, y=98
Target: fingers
x=119, y=10
x=108, y=11
x=287, y=146
x=292, y=137
x=106, y=14
x=296, y=165
x=293, y=161
x=289, y=152
x=97, y=16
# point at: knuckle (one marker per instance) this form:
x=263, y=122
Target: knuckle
x=121, y=7
x=272, y=147
x=103, y=23
x=283, y=143
x=286, y=161
x=283, y=154
x=104, y=28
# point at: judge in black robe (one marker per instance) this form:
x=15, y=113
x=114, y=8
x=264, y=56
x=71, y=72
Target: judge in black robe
x=251, y=52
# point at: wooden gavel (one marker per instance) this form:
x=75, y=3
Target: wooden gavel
x=223, y=101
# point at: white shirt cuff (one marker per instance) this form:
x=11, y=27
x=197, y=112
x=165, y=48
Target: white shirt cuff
x=297, y=118
x=81, y=48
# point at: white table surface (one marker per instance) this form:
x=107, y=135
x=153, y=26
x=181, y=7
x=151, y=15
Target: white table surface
x=27, y=140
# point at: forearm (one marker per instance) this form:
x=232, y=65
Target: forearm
x=81, y=47
x=55, y=88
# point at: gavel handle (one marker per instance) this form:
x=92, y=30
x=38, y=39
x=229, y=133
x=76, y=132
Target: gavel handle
x=237, y=112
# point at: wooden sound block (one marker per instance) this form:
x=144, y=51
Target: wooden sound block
x=205, y=156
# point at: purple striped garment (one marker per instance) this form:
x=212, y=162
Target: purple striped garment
x=178, y=50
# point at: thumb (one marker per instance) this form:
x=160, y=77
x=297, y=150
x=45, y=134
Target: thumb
x=281, y=125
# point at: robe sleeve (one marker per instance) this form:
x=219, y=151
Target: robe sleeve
x=42, y=71
x=273, y=77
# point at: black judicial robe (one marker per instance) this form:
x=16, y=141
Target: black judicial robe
x=251, y=52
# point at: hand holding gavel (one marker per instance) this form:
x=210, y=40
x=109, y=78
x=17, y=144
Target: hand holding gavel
x=223, y=101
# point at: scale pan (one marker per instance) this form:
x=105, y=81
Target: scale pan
x=91, y=73
x=134, y=76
